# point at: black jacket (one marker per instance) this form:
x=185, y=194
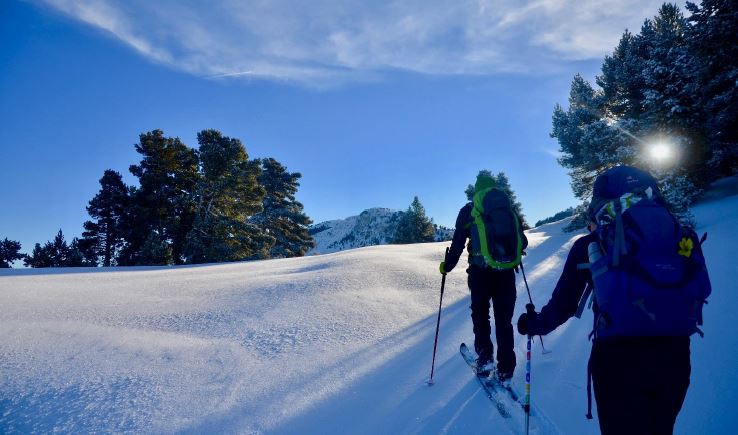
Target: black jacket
x=462, y=232
x=568, y=292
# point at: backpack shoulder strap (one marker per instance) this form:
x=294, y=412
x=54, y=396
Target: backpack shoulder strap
x=477, y=212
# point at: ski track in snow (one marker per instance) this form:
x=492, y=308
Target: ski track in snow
x=337, y=343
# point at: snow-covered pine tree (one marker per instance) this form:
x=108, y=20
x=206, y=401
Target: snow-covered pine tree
x=585, y=137
x=621, y=80
x=671, y=107
x=679, y=193
x=713, y=46
x=283, y=217
x=649, y=88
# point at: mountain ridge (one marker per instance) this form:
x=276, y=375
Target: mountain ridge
x=373, y=226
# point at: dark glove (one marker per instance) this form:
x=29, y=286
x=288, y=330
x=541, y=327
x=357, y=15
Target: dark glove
x=527, y=320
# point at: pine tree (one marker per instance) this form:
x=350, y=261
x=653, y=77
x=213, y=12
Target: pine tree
x=80, y=254
x=621, y=81
x=670, y=106
x=135, y=228
x=713, y=46
x=58, y=253
x=108, y=208
x=414, y=226
x=679, y=193
x=588, y=141
x=38, y=258
x=227, y=196
x=155, y=251
x=283, y=217
x=163, y=204
x=88, y=251
x=58, y=250
x=649, y=89
x=9, y=252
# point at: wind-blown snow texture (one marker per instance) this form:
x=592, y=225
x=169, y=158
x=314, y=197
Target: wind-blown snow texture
x=337, y=343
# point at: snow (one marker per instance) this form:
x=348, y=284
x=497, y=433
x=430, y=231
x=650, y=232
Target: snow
x=335, y=343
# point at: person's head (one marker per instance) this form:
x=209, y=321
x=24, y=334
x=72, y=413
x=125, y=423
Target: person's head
x=483, y=182
x=617, y=181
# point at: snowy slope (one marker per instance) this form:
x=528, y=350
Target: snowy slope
x=374, y=226
x=337, y=343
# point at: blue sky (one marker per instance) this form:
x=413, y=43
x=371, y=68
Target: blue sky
x=373, y=102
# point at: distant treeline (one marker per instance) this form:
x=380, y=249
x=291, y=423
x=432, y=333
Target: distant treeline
x=557, y=217
x=675, y=82
x=210, y=204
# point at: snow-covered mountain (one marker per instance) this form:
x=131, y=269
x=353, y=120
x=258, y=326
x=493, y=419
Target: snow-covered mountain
x=329, y=344
x=374, y=226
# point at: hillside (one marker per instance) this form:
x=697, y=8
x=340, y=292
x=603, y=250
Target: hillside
x=374, y=226
x=336, y=343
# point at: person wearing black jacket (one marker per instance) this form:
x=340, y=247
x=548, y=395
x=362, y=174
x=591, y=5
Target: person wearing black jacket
x=485, y=284
x=640, y=382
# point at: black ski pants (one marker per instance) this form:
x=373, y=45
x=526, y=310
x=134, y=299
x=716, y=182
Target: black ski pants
x=640, y=383
x=499, y=286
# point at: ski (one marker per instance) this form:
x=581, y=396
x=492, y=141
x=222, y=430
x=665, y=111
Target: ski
x=493, y=388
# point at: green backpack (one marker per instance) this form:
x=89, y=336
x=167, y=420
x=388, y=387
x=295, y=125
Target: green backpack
x=496, y=239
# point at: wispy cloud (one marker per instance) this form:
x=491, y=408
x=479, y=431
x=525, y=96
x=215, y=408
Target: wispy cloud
x=555, y=153
x=323, y=42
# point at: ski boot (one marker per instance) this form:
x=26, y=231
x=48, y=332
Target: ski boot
x=485, y=365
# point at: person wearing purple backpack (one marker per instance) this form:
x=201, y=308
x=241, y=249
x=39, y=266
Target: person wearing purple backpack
x=648, y=280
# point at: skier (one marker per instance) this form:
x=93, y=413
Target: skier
x=496, y=244
x=640, y=369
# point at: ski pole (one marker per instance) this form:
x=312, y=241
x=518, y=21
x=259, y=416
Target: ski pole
x=526, y=402
x=531, y=302
x=438, y=322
